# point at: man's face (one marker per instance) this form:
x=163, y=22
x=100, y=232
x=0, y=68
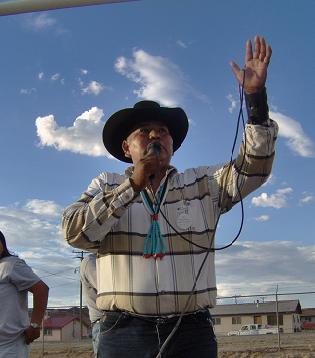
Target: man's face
x=135, y=145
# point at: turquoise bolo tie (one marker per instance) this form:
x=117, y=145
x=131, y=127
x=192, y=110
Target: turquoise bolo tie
x=154, y=243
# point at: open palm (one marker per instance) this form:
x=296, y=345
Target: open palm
x=256, y=64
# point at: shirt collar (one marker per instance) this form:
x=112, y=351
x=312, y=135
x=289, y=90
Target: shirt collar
x=170, y=172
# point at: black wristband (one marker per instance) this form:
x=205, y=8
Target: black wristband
x=257, y=107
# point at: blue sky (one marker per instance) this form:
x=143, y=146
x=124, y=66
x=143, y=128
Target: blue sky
x=64, y=72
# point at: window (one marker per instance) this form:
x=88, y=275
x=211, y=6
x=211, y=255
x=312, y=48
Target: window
x=47, y=332
x=216, y=320
x=237, y=320
x=272, y=319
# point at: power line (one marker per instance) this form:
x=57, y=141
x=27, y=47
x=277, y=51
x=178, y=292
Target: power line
x=267, y=295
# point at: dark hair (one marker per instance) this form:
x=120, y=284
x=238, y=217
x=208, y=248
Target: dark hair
x=4, y=244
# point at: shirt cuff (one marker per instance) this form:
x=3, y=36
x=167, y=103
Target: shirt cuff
x=257, y=107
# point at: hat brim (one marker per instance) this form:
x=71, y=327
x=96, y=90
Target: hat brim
x=122, y=123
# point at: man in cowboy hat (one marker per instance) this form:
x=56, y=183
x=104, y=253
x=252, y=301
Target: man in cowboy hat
x=153, y=227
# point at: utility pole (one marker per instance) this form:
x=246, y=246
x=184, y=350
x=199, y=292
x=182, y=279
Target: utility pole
x=277, y=314
x=46, y=316
x=80, y=255
x=43, y=339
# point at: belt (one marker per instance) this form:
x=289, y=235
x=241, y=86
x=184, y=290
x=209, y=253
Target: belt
x=160, y=319
x=97, y=321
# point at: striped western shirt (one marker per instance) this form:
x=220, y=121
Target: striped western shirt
x=111, y=218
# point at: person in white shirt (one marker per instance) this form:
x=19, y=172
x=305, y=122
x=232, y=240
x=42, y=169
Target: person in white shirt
x=16, y=280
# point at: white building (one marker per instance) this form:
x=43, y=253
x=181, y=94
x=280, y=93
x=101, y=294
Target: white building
x=231, y=317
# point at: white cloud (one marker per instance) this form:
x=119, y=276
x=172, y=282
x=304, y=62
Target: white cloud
x=158, y=78
x=44, y=207
x=262, y=218
x=233, y=102
x=277, y=200
x=93, y=87
x=26, y=229
x=181, y=43
x=41, y=21
x=306, y=199
x=81, y=83
x=37, y=239
x=55, y=77
x=41, y=75
x=84, y=136
x=84, y=71
x=27, y=91
x=267, y=264
x=292, y=130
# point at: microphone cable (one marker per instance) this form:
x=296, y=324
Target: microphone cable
x=240, y=116
x=210, y=249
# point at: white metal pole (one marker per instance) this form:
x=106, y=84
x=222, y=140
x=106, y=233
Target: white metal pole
x=22, y=6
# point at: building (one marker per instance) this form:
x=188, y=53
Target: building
x=64, y=325
x=231, y=317
x=308, y=318
x=63, y=329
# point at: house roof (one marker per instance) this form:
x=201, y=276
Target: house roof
x=58, y=322
x=70, y=312
x=289, y=306
x=308, y=312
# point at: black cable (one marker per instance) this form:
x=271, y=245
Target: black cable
x=208, y=250
x=238, y=189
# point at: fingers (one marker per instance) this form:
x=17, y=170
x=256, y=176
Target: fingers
x=262, y=53
x=268, y=55
x=239, y=74
x=262, y=50
x=27, y=338
x=257, y=47
x=249, y=51
x=30, y=334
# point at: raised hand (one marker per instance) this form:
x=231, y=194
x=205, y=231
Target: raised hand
x=256, y=64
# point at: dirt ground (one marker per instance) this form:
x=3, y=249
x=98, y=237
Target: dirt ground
x=295, y=345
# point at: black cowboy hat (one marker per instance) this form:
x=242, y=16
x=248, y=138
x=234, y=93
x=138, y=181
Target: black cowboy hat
x=122, y=123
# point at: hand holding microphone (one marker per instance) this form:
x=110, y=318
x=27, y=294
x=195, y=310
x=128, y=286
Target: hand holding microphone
x=147, y=166
x=154, y=148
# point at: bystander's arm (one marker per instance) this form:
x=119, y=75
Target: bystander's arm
x=40, y=299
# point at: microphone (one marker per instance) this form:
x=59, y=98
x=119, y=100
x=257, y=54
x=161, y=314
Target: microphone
x=154, y=148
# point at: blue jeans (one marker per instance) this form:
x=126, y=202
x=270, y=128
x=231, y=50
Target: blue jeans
x=127, y=336
x=95, y=336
